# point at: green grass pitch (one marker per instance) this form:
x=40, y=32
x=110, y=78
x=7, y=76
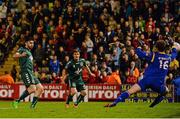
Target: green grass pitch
x=90, y=110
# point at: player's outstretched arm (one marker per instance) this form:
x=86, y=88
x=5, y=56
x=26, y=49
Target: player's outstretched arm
x=18, y=55
x=90, y=71
x=175, y=48
x=141, y=54
x=176, y=45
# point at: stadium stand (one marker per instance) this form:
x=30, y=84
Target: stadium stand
x=106, y=32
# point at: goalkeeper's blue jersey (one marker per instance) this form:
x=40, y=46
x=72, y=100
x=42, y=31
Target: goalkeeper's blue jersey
x=158, y=65
x=158, y=62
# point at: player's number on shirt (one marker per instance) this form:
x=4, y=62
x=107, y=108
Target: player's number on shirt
x=163, y=64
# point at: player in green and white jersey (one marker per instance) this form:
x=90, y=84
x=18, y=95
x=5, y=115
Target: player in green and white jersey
x=26, y=65
x=73, y=74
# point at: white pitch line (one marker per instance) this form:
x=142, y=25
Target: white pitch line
x=3, y=108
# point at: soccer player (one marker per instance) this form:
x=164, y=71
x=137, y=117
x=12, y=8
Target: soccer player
x=26, y=65
x=154, y=75
x=73, y=74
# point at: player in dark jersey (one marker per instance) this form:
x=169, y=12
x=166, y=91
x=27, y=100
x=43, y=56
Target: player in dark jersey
x=26, y=65
x=73, y=74
x=154, y=75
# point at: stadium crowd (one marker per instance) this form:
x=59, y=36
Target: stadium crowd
x=106, y=32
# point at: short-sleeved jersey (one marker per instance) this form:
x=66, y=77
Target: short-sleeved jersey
x=158, y=63
x=26, y=63
x=74, y=69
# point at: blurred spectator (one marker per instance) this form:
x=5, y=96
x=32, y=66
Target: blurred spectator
x=174, y=68
x=101, y=54
x=131, y=55
x=54, y=65
x=65, y=61
x=114, y=78
x=156, y=35
x=174, y=65
x=11, y=29
x=3, y=11
x=102, y=41
x=35, y=67
x=176, y=34
x=70, y=44
x=137, y=28
x=44, y=78
x=44, y=67
x=141, y=22
x=96, y=79
x=124, y=64
x=89, y=45
x=115, y=58
x=167, y=33
x=55, y=78
x=109, y=34
x=24, y=23
x=44, y=42
x=2, y=28
x=6, y=79
x=60, y=56
x=39, y=55
x=132, y=74
x=116, y=46
x=169, y=78
x=95, y=60
x=21, y=4
x=128, y=45
x=150, y=25
x=166, y=17
x=138, y=62
x=84, y=53
x=105, y=68
x=85, y=75
x=104, y=77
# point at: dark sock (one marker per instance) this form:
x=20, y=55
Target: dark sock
x=157, y=100
x=34, y=102
x=122, y=97
x=23, y=95
x=69, y=99
x=79, y=99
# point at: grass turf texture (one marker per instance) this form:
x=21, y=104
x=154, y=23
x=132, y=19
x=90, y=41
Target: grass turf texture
x=90, y=110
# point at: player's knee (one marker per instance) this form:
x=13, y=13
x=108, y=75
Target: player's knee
x=83, y=93
x=41, y=89
x=31, y=89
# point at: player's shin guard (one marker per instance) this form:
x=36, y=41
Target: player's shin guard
x=157, y=100
x=121, y=98
x=23, y=95
x=69, y=99
x=79, y=99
